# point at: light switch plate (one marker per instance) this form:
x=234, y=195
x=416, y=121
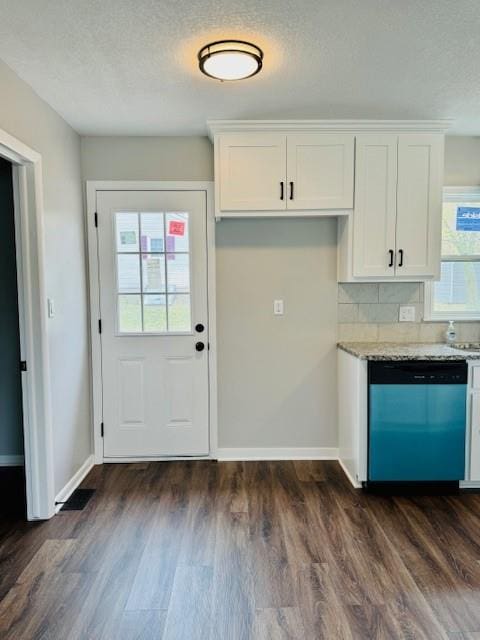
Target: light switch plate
x=407, y=314
x=278, y=307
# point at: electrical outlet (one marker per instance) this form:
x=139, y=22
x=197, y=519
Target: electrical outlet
x=407, y=314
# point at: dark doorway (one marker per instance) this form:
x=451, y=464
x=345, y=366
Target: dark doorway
x=12, y=476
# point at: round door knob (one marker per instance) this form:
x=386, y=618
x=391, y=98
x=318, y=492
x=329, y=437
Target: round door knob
x=199, y=328
x=199, y=346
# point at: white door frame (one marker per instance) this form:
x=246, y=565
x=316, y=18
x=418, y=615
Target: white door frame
x=121, y=185
x=37, y=413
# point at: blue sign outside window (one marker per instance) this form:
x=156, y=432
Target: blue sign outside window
x=468, y=219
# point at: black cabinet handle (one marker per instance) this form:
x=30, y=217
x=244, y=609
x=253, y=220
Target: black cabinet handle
x=282, y=188
x=400, y=262
x=291, y=190
x=392, y=255
x=199, y=346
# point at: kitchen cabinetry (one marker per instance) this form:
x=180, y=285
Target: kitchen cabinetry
x=395, y=229
x=320, y=171
x=353, y=416
x=279, y=174
x=251, y=172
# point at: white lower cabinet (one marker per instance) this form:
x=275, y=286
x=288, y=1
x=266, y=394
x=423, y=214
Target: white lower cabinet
x=473, y=443
x=352, y=377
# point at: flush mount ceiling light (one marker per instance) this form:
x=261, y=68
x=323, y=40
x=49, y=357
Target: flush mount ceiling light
x=230, y=59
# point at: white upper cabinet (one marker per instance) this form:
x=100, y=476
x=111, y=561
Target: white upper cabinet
x=375, y=205
x=251, y=172
x=283, y=173
x=395, y=230
x=419, y=205
x=382, y=179
x=320, y=171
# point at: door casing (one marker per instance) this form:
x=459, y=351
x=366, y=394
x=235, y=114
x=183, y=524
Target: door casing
x=36, y=388
x=93, y=186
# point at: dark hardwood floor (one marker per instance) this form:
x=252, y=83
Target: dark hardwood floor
x=227, y=551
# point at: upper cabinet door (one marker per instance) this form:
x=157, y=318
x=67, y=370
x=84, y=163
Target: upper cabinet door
x=320, y=171
x=375, y=206
x=419, y=204
x=251, y=171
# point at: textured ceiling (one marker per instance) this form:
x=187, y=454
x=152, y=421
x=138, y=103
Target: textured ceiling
x=129, y=66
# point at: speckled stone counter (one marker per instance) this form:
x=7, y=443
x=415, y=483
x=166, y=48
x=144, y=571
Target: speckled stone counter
x=406, y=351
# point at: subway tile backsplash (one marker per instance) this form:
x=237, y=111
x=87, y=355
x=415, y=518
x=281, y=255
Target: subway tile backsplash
x=369, y=312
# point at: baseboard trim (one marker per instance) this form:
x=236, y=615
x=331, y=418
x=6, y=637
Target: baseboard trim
x=283, y=453
x=64, y=494
x=135, y=459
x=469, y=484
x=12, y=461
x=355, y=484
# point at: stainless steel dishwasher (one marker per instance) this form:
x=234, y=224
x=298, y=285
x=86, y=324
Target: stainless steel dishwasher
x=417, y=421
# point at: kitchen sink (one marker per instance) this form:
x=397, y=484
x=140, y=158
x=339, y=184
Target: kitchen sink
x=466, y=346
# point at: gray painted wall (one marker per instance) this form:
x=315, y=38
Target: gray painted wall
x=24, y=115
x=462, y=161
x=277, y=376
x=11, y=418
x=141, y=158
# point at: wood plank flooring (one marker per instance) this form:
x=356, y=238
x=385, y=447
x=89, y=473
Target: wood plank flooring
x=242, y=551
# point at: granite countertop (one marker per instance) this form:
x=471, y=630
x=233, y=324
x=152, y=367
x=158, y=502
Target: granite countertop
x=406, y=351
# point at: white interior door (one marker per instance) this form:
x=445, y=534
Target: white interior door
x=152, y=251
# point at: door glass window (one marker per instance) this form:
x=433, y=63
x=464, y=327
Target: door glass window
x=153, y=272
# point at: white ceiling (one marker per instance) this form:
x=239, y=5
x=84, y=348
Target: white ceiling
x=129, y=66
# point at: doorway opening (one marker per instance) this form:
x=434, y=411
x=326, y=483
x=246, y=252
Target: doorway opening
x=12, y=472
x=24, y=168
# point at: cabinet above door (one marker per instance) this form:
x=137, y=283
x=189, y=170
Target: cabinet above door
x=279, y=174
x=290, y=168
x=250, y=172
x=320, y=171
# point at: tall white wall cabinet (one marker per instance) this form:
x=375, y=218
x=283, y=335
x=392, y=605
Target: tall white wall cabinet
x=395, y=229
x=383, y=179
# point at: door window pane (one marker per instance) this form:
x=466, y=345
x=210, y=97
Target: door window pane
x=153, y=272
x=179, y=312
x=128, y=270
x=152, y=232
x=153, y=261
x=130, y=313
x=177, y=232
x=154, y=314
x=126, y=225
x=178, y=272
